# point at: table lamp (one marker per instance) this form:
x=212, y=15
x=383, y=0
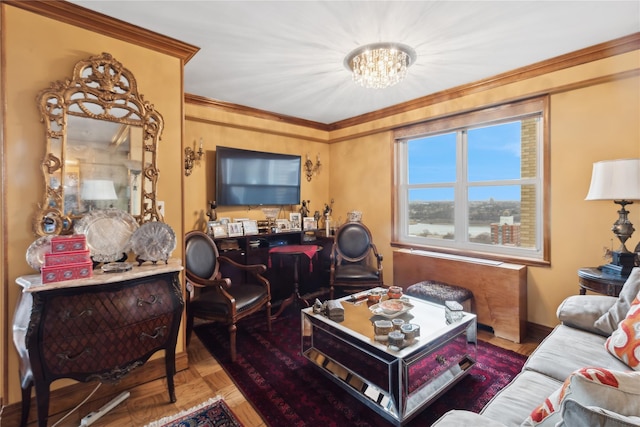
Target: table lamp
x=617, y=180
x=98, y=189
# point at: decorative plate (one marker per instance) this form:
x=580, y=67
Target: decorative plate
x=153, y=241
x=117, y=267
x=108, y=232
x=37, y=250
x=379, y=311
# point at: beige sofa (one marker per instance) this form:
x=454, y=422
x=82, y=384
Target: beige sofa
x=576, y=399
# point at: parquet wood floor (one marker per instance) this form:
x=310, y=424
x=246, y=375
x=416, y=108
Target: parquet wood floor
x=204, y=378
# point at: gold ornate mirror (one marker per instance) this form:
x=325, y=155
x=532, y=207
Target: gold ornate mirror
x=101, y=144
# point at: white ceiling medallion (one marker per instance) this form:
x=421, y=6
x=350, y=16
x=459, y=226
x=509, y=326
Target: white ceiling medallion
x=380, y=65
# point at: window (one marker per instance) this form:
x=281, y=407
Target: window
x=474, y=183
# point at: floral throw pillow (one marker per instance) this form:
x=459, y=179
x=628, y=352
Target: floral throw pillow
x=624, y=342
x=548, y=412
x=596, y=388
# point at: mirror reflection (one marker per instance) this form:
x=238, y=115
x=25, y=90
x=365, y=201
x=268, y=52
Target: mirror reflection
x=103, y=166
x=101, y=146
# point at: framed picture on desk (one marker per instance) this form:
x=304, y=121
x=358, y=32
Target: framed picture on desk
x=235, y=229
x=310, y=223
x=295, y=219
x=250, y=227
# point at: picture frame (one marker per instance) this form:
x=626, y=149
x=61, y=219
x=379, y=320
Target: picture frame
x=234, y=229
x=283, y=225
x=210, y=226
x=295, y=220
x=250, y=227
x=310, y=223
x=219, y=230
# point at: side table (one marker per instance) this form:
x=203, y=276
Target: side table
x=294, y=251
x=595, y=280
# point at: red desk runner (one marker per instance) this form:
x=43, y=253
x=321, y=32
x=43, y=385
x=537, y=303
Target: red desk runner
x=309, y=250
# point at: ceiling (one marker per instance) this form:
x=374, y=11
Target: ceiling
x=286, y=57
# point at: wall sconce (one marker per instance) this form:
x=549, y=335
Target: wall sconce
x=190, y=158
x=310, y=168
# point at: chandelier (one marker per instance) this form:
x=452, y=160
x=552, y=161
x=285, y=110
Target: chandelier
x=380, y=65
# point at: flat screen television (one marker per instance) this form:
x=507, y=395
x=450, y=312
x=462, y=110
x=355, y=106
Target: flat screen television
x=247, y=177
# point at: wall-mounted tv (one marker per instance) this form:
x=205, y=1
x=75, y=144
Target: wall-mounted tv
x=246, y=177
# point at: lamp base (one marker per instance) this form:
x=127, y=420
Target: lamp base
x=621, y=264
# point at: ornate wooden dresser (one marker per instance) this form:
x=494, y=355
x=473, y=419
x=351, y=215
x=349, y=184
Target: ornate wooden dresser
x=98, y=328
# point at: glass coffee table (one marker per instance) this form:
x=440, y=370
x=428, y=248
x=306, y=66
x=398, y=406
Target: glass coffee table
x=397, y=382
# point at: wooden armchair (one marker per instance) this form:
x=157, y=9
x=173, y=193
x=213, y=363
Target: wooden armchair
x=355, y=261
x=216, y=298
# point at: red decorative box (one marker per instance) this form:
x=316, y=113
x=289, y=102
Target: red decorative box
x=63, y=258
x=71, y=243
x=59, y=273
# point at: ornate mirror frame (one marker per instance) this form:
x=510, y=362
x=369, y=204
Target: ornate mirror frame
x=102, y=89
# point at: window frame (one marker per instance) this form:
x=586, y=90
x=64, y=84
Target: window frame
x=517, y=110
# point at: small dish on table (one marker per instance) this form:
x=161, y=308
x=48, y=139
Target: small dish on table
x=391, y=308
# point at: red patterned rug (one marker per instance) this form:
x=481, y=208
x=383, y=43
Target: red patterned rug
x=288, y=390
x=212, y=413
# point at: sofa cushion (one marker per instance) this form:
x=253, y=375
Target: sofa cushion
x=608, y=322
x=567, y=349
x=614, y=391
x=624, y=342
x=458, y=418
x=575, y=414
x=515, y=402
x=582, y=311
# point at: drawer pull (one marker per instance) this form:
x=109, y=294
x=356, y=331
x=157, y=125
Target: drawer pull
x=158, y=332
x=152, y=300
x=67, y=314
x=65, y=357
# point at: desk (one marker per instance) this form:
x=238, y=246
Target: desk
x=595, y=280
x=294, y=251
x=97, y=328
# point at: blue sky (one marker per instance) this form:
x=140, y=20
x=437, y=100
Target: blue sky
x=493, y=154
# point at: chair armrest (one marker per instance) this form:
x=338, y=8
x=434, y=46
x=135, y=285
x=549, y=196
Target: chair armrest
x=457, y=418
x=376, y=254
x=581, y=311
x=200, y=282
x=256, y=270
x=252, y=268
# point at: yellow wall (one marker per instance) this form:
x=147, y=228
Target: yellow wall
x=36, y=52
x=594, y=111
x=216, y=127
x=589, y=122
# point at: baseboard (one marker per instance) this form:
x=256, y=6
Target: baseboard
x=537, y=332
x=66, y=398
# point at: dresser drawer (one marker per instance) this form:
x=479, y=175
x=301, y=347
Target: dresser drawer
x=108, y=349
x=107, y=308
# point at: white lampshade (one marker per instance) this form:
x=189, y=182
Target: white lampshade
x=615, y=180
x=98, y=189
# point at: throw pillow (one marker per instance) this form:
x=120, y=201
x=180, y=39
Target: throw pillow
x=547, y=413
x=608, y=322
x=614, y=391
x=624, y=342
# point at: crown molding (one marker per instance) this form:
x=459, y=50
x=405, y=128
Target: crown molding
x=253, y=112
x=81, y=17
x=600, y=51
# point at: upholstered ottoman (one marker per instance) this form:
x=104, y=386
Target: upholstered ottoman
x=439, y=292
